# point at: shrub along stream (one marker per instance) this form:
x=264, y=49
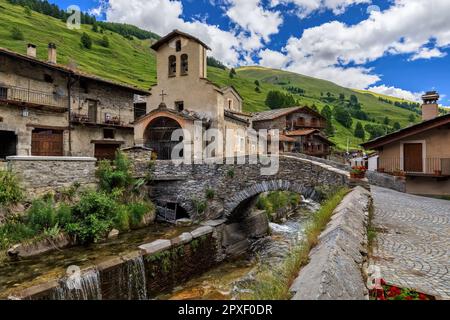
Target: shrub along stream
x=88, y=216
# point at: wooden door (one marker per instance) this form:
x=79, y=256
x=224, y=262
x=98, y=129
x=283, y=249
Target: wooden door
x=413, y=154
x=47, y=143
x=92, y=111
x=106, y=151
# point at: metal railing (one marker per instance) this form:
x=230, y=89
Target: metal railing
x=106, y=119
x=36, y=97
x=430, y=166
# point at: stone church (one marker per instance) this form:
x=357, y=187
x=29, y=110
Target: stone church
x=183, y=96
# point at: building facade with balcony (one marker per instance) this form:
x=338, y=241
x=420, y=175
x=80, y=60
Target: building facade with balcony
x=301, y=125
x=420, y=153
x=47, y=109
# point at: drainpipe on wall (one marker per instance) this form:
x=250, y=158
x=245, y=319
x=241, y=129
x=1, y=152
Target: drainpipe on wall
x=69, y=93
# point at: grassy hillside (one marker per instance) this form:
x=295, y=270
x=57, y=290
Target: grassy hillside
x=315, y=92
x=128, y=61
x=133, y=62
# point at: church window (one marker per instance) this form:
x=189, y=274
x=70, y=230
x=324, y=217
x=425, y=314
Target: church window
x=179, y=106
x=172, y=66
x=230, y=104
x=178, y=46
x=184, y=64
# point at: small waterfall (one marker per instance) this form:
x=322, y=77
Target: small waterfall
x=132, y=279
x=80, y=287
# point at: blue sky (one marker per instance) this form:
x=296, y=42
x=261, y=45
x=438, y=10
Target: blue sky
x=395, y=47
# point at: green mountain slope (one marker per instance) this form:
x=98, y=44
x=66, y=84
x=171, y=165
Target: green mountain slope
x=316, y=91
x=128, y=61
x=133, y=62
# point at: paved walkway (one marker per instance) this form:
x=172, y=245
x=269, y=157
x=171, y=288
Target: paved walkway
x=413, y=241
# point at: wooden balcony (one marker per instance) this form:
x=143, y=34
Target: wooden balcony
x=107, y=121
x=300, y=124
x=29, y=98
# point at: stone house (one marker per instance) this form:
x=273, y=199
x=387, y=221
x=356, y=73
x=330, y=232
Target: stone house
x=183, y=96
x=47, y=109
x=420, y=152
x=301, y=130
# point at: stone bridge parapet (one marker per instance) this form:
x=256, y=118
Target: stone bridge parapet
x=227, y=189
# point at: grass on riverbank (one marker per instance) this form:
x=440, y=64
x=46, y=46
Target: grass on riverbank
x=274, y=284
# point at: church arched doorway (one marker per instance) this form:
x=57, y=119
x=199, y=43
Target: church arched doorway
x=158, y=137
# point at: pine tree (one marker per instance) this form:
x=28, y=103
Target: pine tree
x=359, y=131
x=343, y=116
x=16, y=33
x=86, y=41
x=397, y=126
x=104, y=42
x=27, y=11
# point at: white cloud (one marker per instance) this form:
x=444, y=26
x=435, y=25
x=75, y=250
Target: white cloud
x=163, y=16
x=273, y=59
x=427, y=53
x=338, y=52
x=306, y=7
x=254, y=24
x=396, y=92
x=252, y=17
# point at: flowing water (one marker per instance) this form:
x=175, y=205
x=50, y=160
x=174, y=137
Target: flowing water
x=226, y=281
x=25, y=273
x=230, y=279
x=84, y=287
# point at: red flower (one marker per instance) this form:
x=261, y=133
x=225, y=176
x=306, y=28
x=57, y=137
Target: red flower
x=422, y=297
x=380, y=295
x=382, y=282
x=394, y=291
x=409, y=298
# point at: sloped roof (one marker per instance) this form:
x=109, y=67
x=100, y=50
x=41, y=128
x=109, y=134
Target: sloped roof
x=274, y=114
x=286, y=138
x=176, y=33
x=73, y=72
x=163, y=108
x=407, y=132
x=232, y=88
x=302, y=132
x=278, y=113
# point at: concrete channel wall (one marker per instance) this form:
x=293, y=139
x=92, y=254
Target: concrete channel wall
x=165, y=264
x=336, y=263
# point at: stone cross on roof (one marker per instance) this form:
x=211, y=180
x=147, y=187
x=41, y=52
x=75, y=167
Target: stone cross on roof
x=163, y=95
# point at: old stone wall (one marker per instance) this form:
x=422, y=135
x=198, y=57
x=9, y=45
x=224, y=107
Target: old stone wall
x=235, y=185
x=39, y=175
x=335, y=270
x=386, y=181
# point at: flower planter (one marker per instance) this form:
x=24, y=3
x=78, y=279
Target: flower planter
x=357, y=175
x=388, y=292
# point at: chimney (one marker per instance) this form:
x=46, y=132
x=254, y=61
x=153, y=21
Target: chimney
x=430, y=107
x=52, y=53
x=31, y=50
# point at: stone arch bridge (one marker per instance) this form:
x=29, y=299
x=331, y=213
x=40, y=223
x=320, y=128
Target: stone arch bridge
x=228, y=190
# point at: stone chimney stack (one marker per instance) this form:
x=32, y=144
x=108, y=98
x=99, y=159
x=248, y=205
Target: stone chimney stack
x=430, y=107
x=31, y=50
x=52, y=53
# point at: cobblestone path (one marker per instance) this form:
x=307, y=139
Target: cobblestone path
x=413, y=241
